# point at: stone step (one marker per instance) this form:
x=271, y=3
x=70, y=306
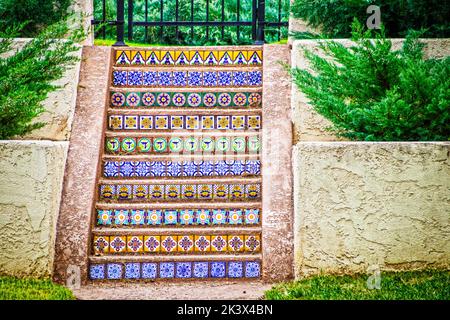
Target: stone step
x=183, y=205
x=167, y=267
x=179, y=230
x=182, y=257
x=185, y=89
x=192, y=56
x=184, y=111
x=180, y=157
x=182, y=77
x=120, y=243
x=169, y=180
x=151, y=134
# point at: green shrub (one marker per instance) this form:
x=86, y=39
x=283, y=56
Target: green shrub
x=370, y=92
x=27, y=77
x=38, y=14
x=334, y=17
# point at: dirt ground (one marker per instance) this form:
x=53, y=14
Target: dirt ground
x=173, y=291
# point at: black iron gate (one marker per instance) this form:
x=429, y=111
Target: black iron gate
x=125, y=21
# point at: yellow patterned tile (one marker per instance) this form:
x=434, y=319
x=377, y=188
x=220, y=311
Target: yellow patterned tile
x=135, y=244
x=185, y=244
x=236, y=243
x=202, y=243
x=169, y=244
x=152, y=243
x=252, y=243
x=101, y=244
x=218, y=243
x=117, y=244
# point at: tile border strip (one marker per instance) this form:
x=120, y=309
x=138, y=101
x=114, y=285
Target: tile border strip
x=175, y=270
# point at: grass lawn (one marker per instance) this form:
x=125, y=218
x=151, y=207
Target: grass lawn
x=411, y=285
x=32, y=289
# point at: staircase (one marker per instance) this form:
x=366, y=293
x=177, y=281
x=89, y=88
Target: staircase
x=179, y=187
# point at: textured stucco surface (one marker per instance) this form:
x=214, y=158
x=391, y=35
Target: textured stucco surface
x=362, y=204
x=30, y=189
x=308, y=124
x=277, y=236
x=59, y=105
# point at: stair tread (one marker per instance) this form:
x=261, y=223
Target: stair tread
x=179, y=157
x=182, y=205
x=180, y=230
x=186, y=89
x=194, y=180
x=144, y=257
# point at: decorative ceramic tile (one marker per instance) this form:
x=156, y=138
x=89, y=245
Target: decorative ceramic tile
x=173, y=192
x=149, y=270
x=130, y=122
x=159, y=145
x=120, y=78
x=235, y=269
x=252, y=243
x=170, y=217
x=121, y=217
x=187, y=217
x=163, y=99
x=166, y=269
x=154, y=217
x=135, y=244
x=202, y=243
x=114, y=271
x=251, y=216
x=117, y=244
x=254, y=122
x=218, y=243
x=236, y=243
x=188, y=192
x=156, y=192
x=183, y=270
x=254, y=78
x=204, y=191
x=200, y=269
x=182, y=79
x=235, y=216
x=252, y=269
x=185, y=243
x=144, y=145
x=152, y=243
x=219, y=216
x=168, y=244
x=132, y=270
x=189, y=58
x=139, y=192
x=104, y=217
x=145, y=122
x=97, y=271
x=115, y=122
x=203, y=216
x=218, y=269
x=101, y=244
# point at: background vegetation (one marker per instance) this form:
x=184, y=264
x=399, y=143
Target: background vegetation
x=411, y=285
x=37, y=13
x=335, y=17
x=27, y=76
x=371, y=92
x=168, y=36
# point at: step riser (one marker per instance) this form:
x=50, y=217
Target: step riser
x=179, y=185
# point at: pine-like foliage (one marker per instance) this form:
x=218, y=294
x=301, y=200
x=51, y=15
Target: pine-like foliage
x=27, y=77
x=371, y=92
x=334, y=17
x=37, y=13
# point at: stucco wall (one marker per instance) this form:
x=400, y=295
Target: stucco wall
x=310, y=126
x=31, y=174
x=361, y=204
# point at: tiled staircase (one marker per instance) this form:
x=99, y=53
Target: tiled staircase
x=179, y=192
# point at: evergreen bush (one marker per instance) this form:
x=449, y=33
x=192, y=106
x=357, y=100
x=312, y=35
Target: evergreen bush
x=334, y=17
x=371, y=92
x=27, y=76
x=37, y=13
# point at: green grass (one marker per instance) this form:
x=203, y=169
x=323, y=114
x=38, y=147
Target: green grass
x=411, y=285
x=32, y=289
